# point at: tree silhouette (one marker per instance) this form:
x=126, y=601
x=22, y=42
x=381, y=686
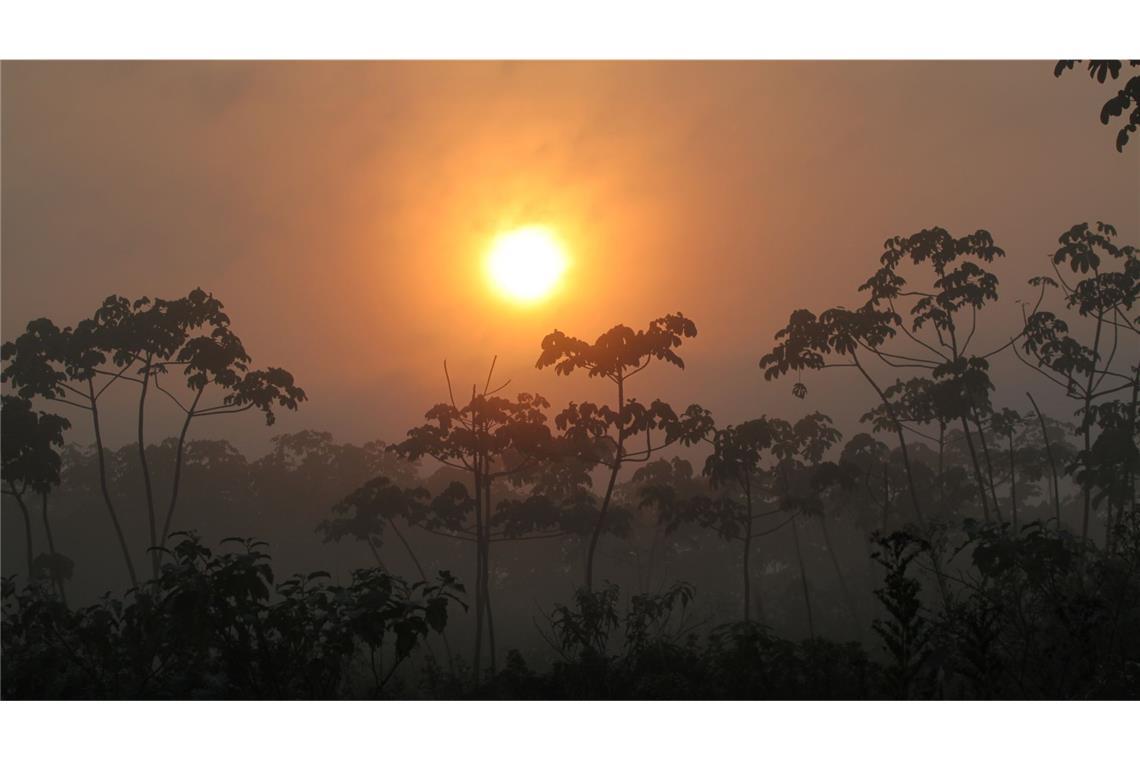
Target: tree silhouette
x=149, y=337
x=937, y=332
x=799, y=449
x=599, y=433
x=1103, y=298
x=666, y=489
x=907, y=633
x=934, y=338
x=477, y=439
x=734, y=469
x=367, y=512
x=32, y=464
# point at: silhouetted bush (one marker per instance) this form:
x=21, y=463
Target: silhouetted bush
x=216, y=626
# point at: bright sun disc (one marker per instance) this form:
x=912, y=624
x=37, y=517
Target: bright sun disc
x=525, y=264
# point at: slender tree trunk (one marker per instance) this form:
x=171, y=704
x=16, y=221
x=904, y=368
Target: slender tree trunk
x=1131, y=500
x=941, y=466
x=758, y=598
x=614, y=468
x=479, y=553
x=989, y=462
x=28, y=548
x=803, y=579
x=423, y=577
x=178, y=470
x=847, y=598
x=1132, y=432
x=1012, y=485
x=1086, y=487
x=375, y=554
x=487, y=574
x=648, y=585
x=408, y=549
x=593, y=547
x=977, y=470
x=1108, y=526
x=151, y=518
x=897, y=424
x=747, y=554
x=490, y=615
x=934, y=558
x=106, y=490
x=55, y=576
x=1052, y=462
x=886, y=497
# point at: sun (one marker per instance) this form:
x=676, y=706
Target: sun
x=526, y=264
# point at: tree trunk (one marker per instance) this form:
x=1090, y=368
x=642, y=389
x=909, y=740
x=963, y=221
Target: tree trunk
x=934, y=558
x=489, y=613
x=977, y=470
x=758, y=599
x=989, y=463
x=1132, y=432
x=847, y=598
x=423, y=577
x=648, y=583
x=1086, y=487
x=1012, y=484
x=104, y=488
x=941, y=466
x=178, y=470
x=803, y=579
x=55, y=576
x=747, y=555
x=1052, y=463
x=28, y=548
x=152, y=523
x=886, y=497
x=477, y=660
x=487, y=575
x=614, y=468
x=375, y=554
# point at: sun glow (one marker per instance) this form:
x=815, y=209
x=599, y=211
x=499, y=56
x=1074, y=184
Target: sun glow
x=526, y=264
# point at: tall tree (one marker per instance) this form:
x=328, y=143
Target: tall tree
x=604, y=435
x=734, y=470
x=798, y=479
x=476, y=440
x=664, y=490
x=938, y=316
x=926, y=328
x=31, y=463
x=1091, y=374
x=140, y=342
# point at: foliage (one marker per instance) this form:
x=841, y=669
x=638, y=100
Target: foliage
x=1128, y=97
x=216, y=626
x=906, y=633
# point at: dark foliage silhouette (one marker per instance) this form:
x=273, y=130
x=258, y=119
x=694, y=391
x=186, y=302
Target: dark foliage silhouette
x=217, y=626
x=605, y=436
x=1124, y=104
x=140, y=342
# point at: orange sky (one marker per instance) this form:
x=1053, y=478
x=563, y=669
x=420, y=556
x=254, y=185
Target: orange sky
x=340, y=210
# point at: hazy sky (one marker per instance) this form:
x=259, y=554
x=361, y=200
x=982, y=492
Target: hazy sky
x=341, y=210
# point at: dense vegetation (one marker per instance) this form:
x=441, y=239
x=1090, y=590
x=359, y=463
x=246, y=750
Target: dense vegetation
x=617, y=548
